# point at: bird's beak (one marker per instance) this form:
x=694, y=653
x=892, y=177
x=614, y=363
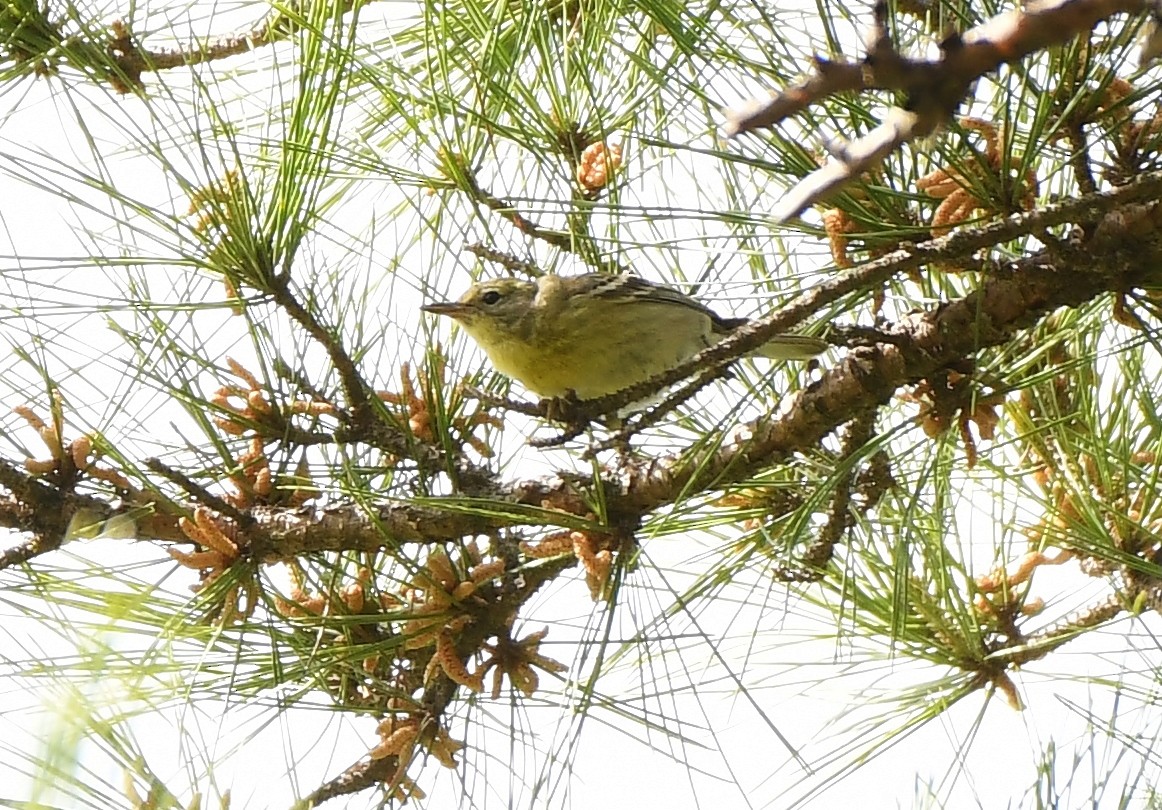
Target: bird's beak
x=453, y=309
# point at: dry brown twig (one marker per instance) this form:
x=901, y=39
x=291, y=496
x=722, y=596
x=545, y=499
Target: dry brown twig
x=933, y=88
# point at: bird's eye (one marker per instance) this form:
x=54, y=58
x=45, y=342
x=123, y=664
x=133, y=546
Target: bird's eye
x=490, y=297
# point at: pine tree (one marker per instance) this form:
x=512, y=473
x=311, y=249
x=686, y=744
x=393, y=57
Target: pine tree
x=279, y=539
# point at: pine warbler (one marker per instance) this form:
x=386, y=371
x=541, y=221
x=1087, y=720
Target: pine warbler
x=595, y=334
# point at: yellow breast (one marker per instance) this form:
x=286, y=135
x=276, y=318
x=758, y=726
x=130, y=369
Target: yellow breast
x=627, y=345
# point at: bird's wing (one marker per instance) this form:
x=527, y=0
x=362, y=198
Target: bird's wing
x=633, y=288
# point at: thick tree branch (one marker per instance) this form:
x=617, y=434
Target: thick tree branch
x=1122, y=252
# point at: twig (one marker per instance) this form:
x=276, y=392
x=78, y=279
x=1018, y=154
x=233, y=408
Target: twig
x=558, y=239
x=1125, y=250
x=960, y=243
x=651, y=417
x=132, y=61
x=933, y=88
x=508, y=261
x=199, y=493
x=813, y=562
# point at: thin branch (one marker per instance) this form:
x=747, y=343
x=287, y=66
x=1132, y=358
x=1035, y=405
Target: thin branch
x=933, y=88
x=562, y=240
x=132, y=61
x=199, y=493
x=509, y=262
x=945, y=250
x=812, y=564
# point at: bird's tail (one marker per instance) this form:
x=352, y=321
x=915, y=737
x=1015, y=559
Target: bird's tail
x=791, y=347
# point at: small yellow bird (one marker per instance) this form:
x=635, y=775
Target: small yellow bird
x=595, y=334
